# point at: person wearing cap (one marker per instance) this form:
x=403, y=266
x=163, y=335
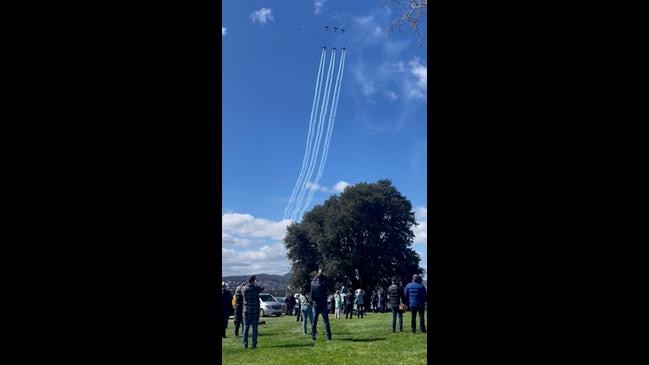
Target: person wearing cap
x=251, y=308
x=415, y=294
x=226, y=297
x=319, y=287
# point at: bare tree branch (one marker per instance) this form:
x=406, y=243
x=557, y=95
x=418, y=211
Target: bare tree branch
x=411, y=12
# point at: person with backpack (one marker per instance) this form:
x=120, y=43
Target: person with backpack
x=396, y=298
x=238, y=310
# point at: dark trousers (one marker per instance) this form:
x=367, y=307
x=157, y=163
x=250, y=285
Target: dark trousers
x=224, y=321
x=325, y=318
x=395, y=313
x=237, y=325
x=413, y=319
x=360, y=308
x=348, y=311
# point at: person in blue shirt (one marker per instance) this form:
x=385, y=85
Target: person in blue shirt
x=415, y=293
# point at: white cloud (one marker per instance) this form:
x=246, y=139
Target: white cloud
x=391, y=95
x=316, y=187
x=223, y=30
x=319, y=6
x=420, y=72
x=262, y=15
x=421, y=237
x=340, y=186
x=236, y=224
x=231, y=241
x=268, y=259
x=421, y=230
x=253, y=245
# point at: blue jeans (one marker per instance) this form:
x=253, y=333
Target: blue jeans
x=395, y=312
x=247, y=322
x=307, y=313
x=325, y=318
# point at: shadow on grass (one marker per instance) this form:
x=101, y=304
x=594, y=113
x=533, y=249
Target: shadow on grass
x=295, y=345
x=363, y=339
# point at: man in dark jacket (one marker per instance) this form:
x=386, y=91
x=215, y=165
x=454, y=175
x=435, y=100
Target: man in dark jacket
x=289, y=300
x=415, y=293
x=238, y=310
x=319, y=287
x=251, y=308
x=226, y=297
x=349, y=304
x=396, y=297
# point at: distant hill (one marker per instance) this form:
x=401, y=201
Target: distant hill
x=273, y=284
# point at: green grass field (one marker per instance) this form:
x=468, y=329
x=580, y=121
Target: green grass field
x=365, y=341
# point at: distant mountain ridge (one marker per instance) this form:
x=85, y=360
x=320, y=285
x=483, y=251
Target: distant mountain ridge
x=273, y=284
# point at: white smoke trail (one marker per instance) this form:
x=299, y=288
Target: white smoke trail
x=330, y=125
x=316, y=98
x=323, y=112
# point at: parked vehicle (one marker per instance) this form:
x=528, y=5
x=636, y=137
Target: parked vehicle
x=270, y=305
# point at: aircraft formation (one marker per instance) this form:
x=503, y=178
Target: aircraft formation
x=317, y=147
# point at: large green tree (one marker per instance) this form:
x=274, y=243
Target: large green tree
x=367, y=228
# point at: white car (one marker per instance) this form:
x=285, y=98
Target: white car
x=270, y=306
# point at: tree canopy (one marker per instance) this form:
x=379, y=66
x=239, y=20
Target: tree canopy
x=367, y=228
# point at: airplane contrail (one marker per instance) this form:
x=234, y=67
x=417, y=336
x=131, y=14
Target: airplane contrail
x=330, y=125
x=316, y=98
x=323, y=112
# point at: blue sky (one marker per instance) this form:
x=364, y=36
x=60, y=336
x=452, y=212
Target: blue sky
x=271, y=53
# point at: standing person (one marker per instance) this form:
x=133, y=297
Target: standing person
x=343, y=292
x=415, y=293
x=298, y=307
x=306, y=309
x=289, y=303
x=374, y=302
x=238, y=310
x=380, y=300
x=360, y=302
x=349, y=305
x=396, y=297
x=251, y=308
x=226, y=308
x=339, y=303
x=319, y=287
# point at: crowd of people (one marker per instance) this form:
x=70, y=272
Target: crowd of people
x=309, y=304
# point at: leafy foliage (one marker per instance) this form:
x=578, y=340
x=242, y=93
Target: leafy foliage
x=367, y=228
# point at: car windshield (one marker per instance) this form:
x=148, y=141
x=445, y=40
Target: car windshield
x=267, y=298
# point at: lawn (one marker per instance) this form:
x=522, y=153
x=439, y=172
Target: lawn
x=355, y=341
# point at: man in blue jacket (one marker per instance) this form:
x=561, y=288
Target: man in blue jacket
x=415, y=293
